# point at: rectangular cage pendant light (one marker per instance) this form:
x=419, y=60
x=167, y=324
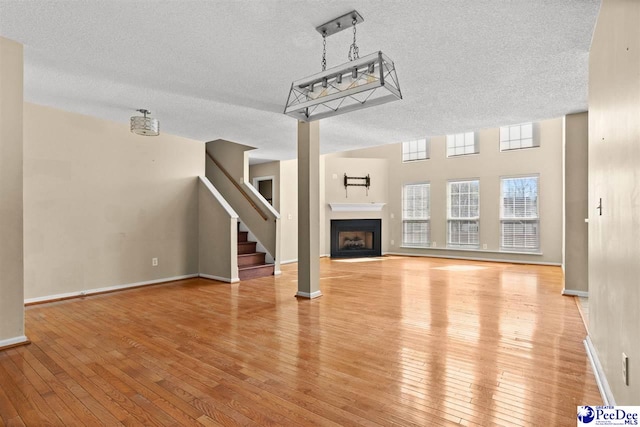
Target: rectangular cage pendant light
x=357, y=84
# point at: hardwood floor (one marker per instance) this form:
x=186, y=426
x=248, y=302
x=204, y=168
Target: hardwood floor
x=393, y=341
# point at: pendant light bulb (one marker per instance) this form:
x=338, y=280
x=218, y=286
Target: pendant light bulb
x=371, y=69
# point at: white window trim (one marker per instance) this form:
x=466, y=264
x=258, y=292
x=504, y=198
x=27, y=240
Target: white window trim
x=476, y=144
x=427, y=150
x=535, y=137
x=537, y=249
x=473, y=219
x=426, y=219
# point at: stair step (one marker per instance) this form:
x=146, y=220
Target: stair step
x=255, y=271
x=243, y=236
x=255, y=258
x=246, y=247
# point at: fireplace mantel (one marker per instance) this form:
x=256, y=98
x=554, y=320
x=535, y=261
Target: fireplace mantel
x=356, y=207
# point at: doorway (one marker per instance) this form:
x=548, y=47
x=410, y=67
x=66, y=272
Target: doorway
x=264, y=185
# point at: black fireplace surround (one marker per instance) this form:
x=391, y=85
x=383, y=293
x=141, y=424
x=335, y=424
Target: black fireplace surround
x=354, y=238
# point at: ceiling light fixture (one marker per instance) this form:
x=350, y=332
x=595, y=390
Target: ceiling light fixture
x=147, y=126
x=357, y=84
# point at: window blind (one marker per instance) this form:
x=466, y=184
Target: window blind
x=463, y=214
x=519, y=217
x=415, y=215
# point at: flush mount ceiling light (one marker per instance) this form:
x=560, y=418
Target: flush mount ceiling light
x=147, y=126
x=357, y=84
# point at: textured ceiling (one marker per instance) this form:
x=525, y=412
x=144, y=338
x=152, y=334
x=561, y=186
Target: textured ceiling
x=222, y=69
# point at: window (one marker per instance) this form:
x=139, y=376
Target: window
x=461, y=144
x=415, y=215
x=519, y=217
x=415, y=150
x=463, y=214
x=518, y=136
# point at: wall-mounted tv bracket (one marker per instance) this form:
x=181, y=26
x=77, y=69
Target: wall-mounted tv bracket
x=361, y=181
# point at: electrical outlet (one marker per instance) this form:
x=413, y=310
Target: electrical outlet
x=393, y=242
x=433, y=244
x=154, y=262
x=625, y=369
x=290, y=216
x=484, y=246
x=392, y=215
x=334, y=176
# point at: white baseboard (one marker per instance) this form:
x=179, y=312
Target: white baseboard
x=571, y=292
x=219, y=278
x=308, y=295
x=291, y=261
x=106, y=289
x=10, y=342
x=601, y=378
x=510, y=261
x=555, y=264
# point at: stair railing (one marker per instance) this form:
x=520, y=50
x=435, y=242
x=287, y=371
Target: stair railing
x=238, y=187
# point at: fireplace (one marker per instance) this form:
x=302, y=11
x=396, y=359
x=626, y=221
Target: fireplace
x=352, y=238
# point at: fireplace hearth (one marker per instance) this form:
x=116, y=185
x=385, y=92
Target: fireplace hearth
x=354, y=238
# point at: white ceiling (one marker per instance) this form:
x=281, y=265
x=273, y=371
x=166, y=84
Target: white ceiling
x=222, y=68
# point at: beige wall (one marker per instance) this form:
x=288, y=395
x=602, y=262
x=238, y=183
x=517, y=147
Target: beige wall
x=288, y=210
x=614, y=176
x=488, y=166
x=389, y=174
x=576, y=235
x=334, y=192
x=264, y=170
x=233, y=156
x=100, y=202
x=218, y=235
x=11, y=190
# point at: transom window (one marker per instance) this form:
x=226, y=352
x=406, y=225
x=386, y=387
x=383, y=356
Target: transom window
x=463, y=214
x=519, y=217
x=518, y=136
x=415, y=215
x=415, y=150
x=460, y=144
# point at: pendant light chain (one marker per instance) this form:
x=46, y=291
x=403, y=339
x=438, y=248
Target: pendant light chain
x=354, y=47
x=324, y=51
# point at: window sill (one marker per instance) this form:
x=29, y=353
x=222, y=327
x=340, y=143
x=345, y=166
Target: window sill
x=453, y=156
x=489, y=251
x=518, y=149
x=416, y=160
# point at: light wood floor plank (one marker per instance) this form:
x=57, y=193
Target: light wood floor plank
x=8, y=412
x=396, y=341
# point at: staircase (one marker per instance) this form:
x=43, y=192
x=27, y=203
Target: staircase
x=251, y=264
